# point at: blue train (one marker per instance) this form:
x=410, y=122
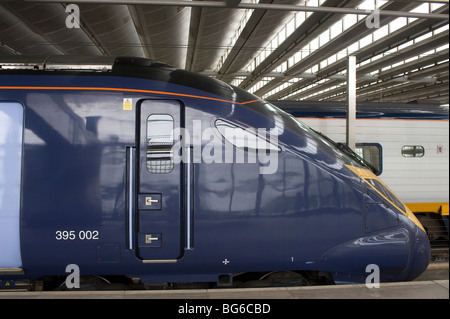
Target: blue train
x=127, y=167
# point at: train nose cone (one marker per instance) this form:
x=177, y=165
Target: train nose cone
x=421, y=254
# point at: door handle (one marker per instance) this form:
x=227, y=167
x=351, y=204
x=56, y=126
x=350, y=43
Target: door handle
x=149, y=201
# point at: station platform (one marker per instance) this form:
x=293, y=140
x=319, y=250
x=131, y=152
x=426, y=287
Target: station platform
x=432, y=284
x=431, y=289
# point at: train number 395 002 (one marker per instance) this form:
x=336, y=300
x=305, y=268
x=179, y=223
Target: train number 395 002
x=73, y=235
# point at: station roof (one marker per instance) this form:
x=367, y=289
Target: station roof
x=277, y=49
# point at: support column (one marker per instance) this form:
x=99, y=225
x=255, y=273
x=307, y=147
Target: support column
x=351, y=103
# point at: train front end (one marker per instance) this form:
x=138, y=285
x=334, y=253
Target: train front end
x=394, y=245
x=347, y=219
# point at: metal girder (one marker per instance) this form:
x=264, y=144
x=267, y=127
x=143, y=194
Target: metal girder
x=352, y=34
x=385, y=80
x=225, y=4
x=232, y=3
x=408, y=91
x=313, y=26
x=350, y=136
x=390, y=88
x=209, y=33
x=14, y=29
x=411, y=51
x=260, y=28
x=399, y=37
x=429, y=1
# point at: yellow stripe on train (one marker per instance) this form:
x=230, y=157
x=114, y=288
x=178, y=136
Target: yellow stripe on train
x=438, y=208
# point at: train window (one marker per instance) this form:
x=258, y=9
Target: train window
x=371, y=153
x=245, y=139
x=413, y=151
x=159, y=143
x=386, y=192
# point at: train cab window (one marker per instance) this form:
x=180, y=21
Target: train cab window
x=372, y=153
x=413, y=151
x=245, y=139
x=159, y=143
x=387, y=193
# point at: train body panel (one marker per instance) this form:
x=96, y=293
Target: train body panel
x=415, y=177
x=109, y=184
x=429, y=183
x=408, y=143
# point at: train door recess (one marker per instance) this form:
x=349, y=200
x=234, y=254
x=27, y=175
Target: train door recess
x=159, y=192
x=378, y=214
x=11, y=136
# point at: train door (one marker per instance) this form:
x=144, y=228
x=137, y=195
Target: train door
x=160, y=180
x=11, y=136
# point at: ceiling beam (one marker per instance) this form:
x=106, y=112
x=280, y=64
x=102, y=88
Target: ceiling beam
x=196, y=21
x=258, y=6
x=400, y=36
x=142, y=32
x=349, y=36
x=232, y=3
x=405, y=92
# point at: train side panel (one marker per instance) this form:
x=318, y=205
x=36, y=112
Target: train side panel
x=245, y=219
x=101, y=188
x=76, y=178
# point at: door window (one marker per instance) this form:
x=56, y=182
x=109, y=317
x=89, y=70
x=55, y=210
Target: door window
x=160, y=143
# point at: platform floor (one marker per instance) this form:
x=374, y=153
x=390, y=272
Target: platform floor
x=432, y=284
x=433, y=289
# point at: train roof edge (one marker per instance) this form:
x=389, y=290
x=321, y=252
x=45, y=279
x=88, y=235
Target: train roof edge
x=135, y=67
x=364, y=110
x=138, y=67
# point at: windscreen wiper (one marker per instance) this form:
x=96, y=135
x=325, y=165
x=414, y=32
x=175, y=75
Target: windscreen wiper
x=347, y=150
x=355, y=156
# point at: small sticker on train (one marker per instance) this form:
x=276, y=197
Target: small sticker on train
x=127, y=104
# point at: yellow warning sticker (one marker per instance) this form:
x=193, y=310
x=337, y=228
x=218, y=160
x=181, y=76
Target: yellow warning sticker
x=127, y=104
x=7, y=284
